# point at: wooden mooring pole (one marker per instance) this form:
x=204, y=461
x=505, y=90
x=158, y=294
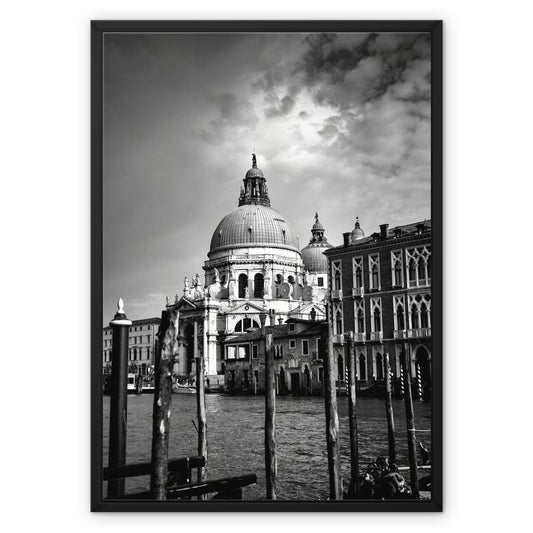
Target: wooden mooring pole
x=352, y=416
x=271, y=460
x=118, y=415
x=388, y=408
x=200, y=406
x=164, y=359
x=410, y=419
x=332, y=419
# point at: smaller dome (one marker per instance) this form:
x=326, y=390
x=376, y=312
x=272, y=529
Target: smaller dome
x=357, y=232
x=255, y=172
x=314, y=259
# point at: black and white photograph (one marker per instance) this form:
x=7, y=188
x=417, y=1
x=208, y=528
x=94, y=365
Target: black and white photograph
x=266, y=235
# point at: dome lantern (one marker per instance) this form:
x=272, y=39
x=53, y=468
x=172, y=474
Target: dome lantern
x=255, y=190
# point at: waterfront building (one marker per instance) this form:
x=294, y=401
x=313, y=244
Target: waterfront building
x=380, y=289
x=142, y=342
x=298, y=367
x=254, y=266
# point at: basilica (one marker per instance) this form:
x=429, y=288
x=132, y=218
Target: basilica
x=254, y=267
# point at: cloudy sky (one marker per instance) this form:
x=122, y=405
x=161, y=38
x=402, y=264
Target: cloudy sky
x=340, y=124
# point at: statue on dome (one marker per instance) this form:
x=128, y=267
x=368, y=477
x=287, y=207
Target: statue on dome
x=168, y=300
x=217, y=275
x=254, y=161
x=185, y=286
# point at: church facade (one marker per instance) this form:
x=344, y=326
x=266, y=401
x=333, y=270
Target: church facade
x=254, y=267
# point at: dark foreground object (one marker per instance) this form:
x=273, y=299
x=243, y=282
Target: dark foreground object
x=179, y=485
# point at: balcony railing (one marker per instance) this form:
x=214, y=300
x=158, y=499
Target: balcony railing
x=420, y=283
x=418, y=332
x=376, y=335
x=336, y=294
x=338, y=339
x=400, y=334
x=359, y=337
x=358, y=291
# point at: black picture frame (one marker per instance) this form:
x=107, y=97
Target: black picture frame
x=98, y=29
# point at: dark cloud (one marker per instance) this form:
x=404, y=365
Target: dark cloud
x=368, y=69
x=281, y=108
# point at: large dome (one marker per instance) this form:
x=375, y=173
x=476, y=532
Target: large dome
x=253, y=225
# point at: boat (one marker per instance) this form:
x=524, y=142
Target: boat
x=148, y=386
x=132, y=383
x=179, y=388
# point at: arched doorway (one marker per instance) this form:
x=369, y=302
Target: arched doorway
x=282, y=381
x=189, y=348
x=307, y=380
x=424, y=364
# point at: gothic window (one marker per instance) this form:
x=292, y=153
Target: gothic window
x=338, y=323
x=375, y=309
x=377, y=320
x=362, y=367
x=414, y=316
x=379, y=367
x=419, y=266
x=336, y=272
x=399, y=312
x=412, y=271
x=359, y=316
x=358, y=272
x=423, y=316
x=400, y=318
x=373, y=263
x=243, y=284
x=396, y=258
x=259, y=286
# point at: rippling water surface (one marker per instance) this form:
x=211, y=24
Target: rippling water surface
x=236, y=438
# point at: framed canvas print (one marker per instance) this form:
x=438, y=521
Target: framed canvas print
x=266, y=266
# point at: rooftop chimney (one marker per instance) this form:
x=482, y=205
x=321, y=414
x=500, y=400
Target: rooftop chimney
x=347, y=238
x=384, y=231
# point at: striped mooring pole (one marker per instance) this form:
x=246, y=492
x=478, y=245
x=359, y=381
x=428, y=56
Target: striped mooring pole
x=419, y=381
x=402, y=382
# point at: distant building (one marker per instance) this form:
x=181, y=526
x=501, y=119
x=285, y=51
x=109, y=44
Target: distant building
x=297, y=366
x=142, y=342
x=380, y=289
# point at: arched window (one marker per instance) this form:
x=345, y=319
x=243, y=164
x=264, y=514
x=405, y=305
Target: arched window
x=400, y=319
x=362, y=367
x=424, y=316
x=259, y=286
x=421, y=270
x=358, y=278
x=412, y=270
x=398, y=273
x=375, y=277
x=360, y=322
x=243, y=285
x=245, y=324
x=338, y=324
x=379, y=367
x=414, y=316
x=340, y=368
x=377, y=320
x=337, y=281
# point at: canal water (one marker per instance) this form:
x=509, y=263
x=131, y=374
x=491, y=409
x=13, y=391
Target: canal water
x=236, y=438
